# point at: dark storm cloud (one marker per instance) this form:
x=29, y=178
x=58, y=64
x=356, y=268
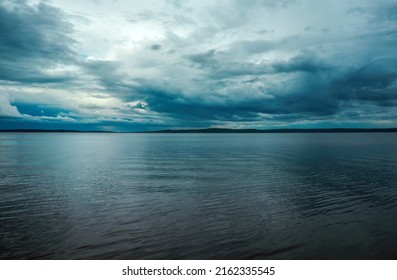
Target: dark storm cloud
x=191, y=109
x=175, y=104
x=39, y=110
x=306, y=62
x=317, y=89
x=375, y=82
x=33, y=39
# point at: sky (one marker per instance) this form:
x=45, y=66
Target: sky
x=121, y=65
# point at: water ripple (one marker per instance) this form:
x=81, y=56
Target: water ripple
x=163, y=196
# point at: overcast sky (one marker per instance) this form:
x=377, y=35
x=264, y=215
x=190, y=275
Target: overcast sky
x=141, y=65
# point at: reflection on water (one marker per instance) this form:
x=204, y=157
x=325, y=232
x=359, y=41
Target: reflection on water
x=198, y=196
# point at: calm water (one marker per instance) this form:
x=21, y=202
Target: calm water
x=198, y=196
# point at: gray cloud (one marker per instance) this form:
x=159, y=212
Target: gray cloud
x=33, y=39
x=155, y=47
x=253, y=46
x=205, y=58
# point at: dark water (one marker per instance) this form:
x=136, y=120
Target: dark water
x=198, y=196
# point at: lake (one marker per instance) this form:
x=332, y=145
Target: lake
x=198, y=196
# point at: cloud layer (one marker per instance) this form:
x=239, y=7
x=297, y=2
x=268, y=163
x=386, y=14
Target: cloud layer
x=126, y=66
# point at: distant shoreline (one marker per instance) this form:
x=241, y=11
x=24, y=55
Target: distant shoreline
x=52, y=131
x=218, y=130
x=286, y=130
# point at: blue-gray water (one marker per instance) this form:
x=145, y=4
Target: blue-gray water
x=198, y=196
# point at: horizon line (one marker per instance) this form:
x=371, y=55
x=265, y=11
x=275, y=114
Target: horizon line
x=212, y=130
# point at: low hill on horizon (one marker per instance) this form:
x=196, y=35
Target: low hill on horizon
x=282, y=130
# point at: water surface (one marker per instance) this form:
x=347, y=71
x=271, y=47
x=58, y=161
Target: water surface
x=198, y=196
